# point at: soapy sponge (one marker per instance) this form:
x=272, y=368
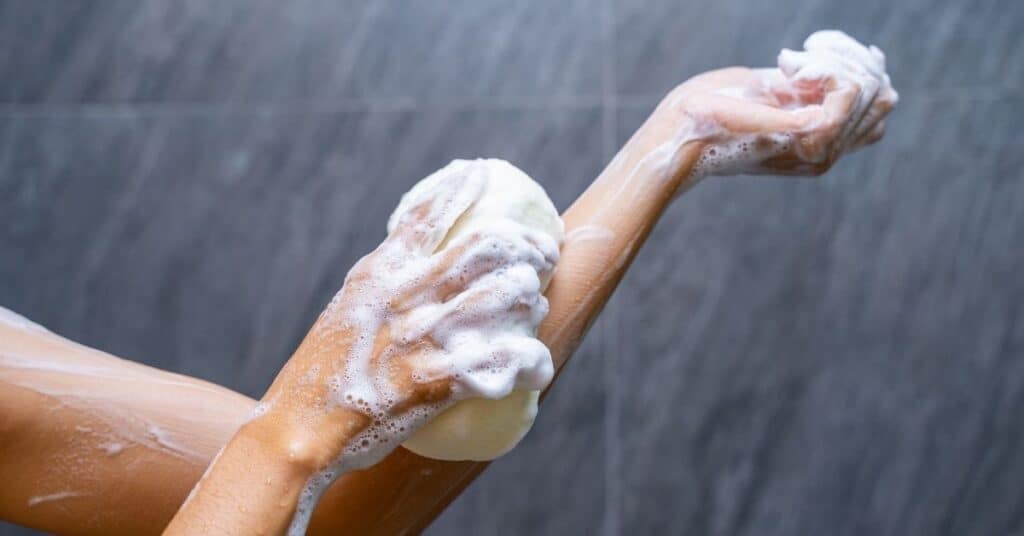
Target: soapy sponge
x=482, y=429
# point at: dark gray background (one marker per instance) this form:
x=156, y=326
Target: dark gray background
x=186, y=184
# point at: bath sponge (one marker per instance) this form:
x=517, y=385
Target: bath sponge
x=482, y=429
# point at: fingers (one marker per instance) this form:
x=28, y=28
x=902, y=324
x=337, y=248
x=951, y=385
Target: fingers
x=492, y=247
x=867, y=120
x=870, y=137
x=845, y=109
x=436, y=209
x=876, y=114
x=484, y=338
x=523, y=359
x=499, y=243
x=492, y=367
x=452, y=269
x=515, y=299
x=858, y=95
x=508, y=297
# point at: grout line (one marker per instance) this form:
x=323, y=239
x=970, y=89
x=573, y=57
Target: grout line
x=610, y=337
x=609, y=101
x=358, y=38
x=299, y=107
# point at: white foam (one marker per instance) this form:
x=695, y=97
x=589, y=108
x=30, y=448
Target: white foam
x=590, y=233
x=168, y=440
x=112, y=448
x=59, y=496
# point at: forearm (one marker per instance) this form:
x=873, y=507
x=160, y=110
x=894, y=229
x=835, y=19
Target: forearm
x=93, y=444
x=610, y=221
x=58, y=476
x=235, y=498
x=254, y=484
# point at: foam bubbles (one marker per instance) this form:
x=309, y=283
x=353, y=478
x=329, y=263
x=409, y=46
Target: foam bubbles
x=740, y=154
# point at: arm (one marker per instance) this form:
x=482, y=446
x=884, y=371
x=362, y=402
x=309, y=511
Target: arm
x=818, y=115
x=105, y=496
x=93, y=444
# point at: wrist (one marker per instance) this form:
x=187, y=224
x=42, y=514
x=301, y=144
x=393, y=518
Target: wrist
x=307, y=439
x=669, y=143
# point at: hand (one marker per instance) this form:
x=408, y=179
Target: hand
x=413, y=330
x=796, y=119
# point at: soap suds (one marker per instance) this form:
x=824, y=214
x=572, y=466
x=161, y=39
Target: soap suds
x=167, y=440
x=589, y=233
x=112, y=448
x=59, y=496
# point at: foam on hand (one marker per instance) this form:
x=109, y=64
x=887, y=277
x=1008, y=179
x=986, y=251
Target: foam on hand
x=827, y=55
x=480, y=428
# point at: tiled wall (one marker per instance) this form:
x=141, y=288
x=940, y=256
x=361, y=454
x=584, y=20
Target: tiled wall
x=185, y=183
